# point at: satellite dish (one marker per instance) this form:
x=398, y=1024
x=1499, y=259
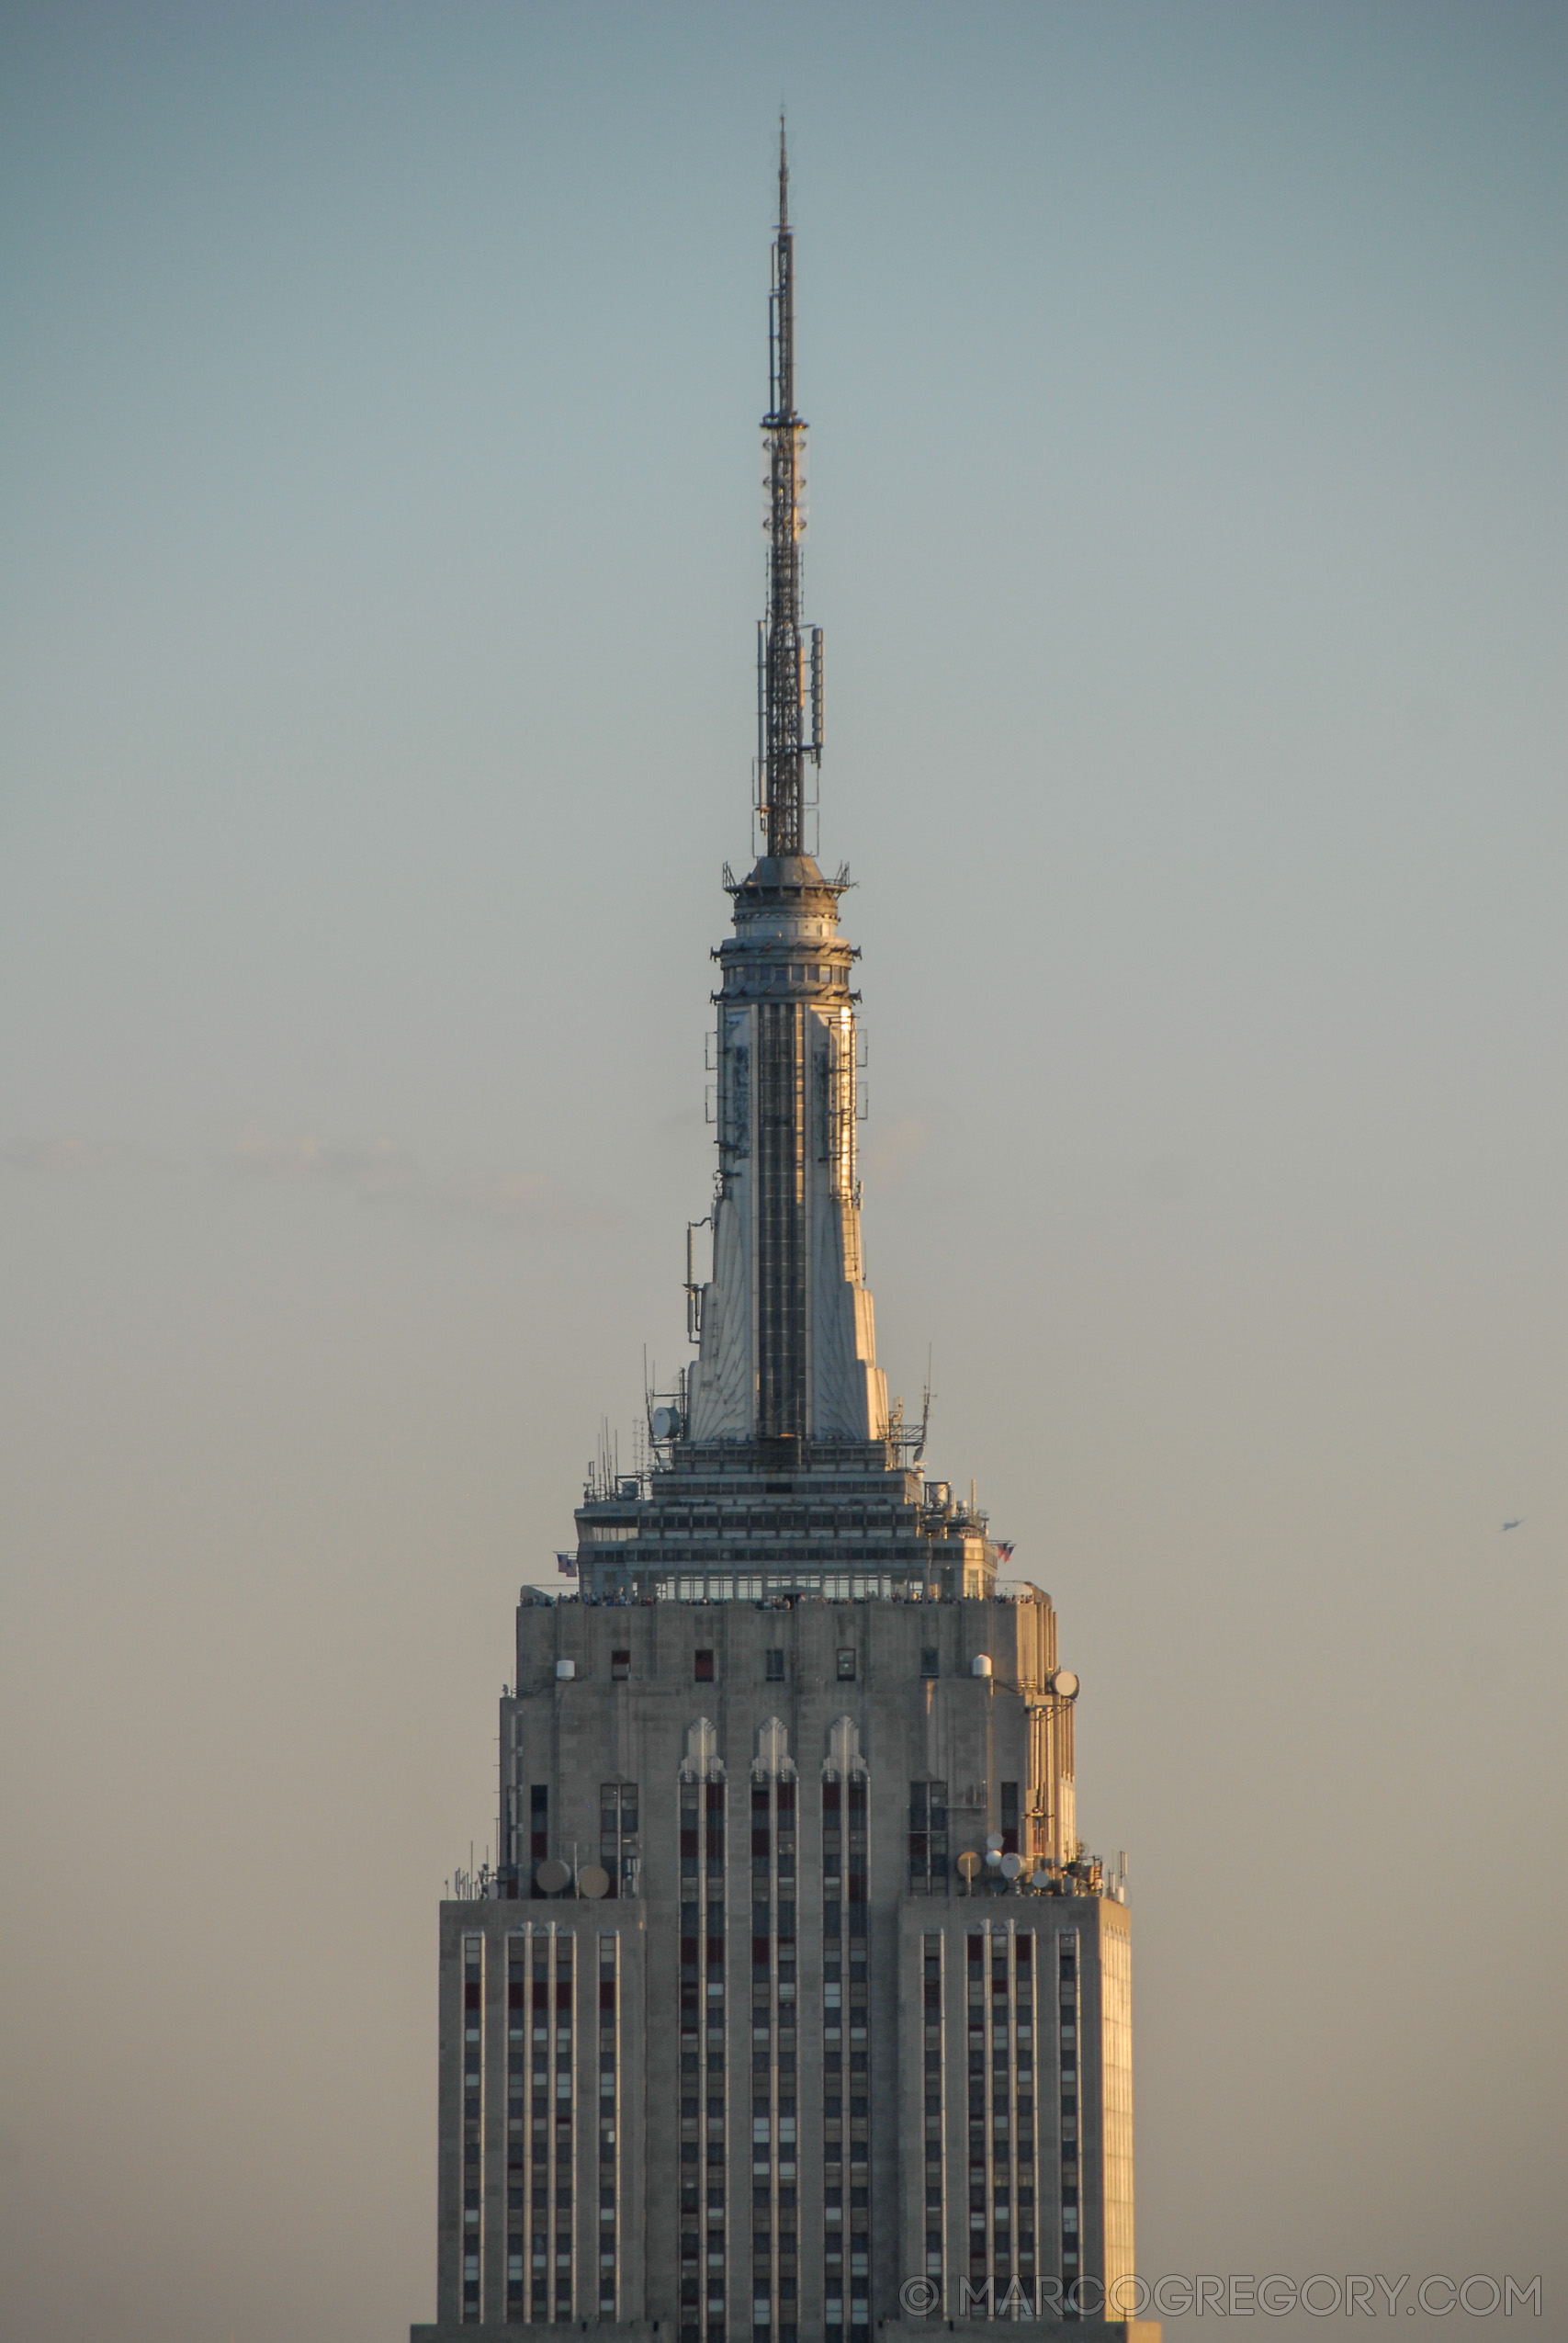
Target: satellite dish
x=993, y=1858
x=593, y=1880
x=552, y=1875
x=1011, y=1866
x=968, y=1866
x=1064, y=1684
x=1040, y=1877
x=994, y=1844
x=665, y=1423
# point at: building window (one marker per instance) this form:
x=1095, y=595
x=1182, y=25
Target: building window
x=929, y=1659
x=920, y=1832
x=620, y=1847
x=620, y=1667
x=539, y=1821
x=928, y=1837
x=705, y=1667
x=776, y=1668
x=846, y=1667
x=1010, y=1817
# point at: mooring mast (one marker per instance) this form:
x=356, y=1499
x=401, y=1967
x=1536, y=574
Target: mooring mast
x=789, y=677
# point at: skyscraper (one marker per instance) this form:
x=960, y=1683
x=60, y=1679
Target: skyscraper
x=794, y=2006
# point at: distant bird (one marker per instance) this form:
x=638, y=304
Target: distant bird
x=1514, y=1525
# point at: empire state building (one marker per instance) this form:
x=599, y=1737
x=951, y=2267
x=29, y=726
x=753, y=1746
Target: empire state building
x=795, y=2008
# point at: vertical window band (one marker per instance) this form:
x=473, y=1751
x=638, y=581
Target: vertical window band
x=516, y=2125
x=1067, y=2045
x=705, y=2261
x=473, y=2086
x=933, y=2041
x=609, y=1998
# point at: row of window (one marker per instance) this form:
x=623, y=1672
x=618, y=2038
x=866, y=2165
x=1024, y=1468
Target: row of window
x=740, y=975
x=935, y=2112
x=473, y=2074
x=542, y=2066
x=541, y=2060
x=1022, y=2022
x=620, y=1842
x=846, y=2059
x=539, y=2148
x=609, y=2122
x=1000, y=2016
x=738, y=1519
x=705, y=1665
x=1010, y=2220
x=1068, y=2035
x=927, y=1835
x=703, y=2045
x=775, y=2264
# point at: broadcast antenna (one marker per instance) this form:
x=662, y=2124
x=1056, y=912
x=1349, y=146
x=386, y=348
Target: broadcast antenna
x=789, y=676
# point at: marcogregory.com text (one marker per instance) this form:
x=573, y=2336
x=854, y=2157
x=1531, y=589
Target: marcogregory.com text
x=1240, y=2295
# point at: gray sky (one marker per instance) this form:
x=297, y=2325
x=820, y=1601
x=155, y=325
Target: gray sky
x=381, y=561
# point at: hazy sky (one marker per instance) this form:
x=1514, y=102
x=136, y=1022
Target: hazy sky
x=382, y=555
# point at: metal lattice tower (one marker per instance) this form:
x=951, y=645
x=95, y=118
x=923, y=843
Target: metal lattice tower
x=789, y=673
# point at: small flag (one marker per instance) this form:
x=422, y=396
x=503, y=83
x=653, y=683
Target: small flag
x=1004, y=1549
x=567, y=1565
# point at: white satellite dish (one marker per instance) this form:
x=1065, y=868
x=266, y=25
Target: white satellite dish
x=1064, y=1684
x=593, y=1880
x=1040, y=1877
x=665, y=1423
x=994, y=1844
x=1011, y=1866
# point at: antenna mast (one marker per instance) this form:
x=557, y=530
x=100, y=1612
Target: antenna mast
x=789, y=677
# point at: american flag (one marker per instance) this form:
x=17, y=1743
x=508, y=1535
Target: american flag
x=1004, y=1549
x=567, y=1565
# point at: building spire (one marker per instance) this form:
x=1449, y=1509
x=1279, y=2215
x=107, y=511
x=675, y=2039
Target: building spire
x=789, y=657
